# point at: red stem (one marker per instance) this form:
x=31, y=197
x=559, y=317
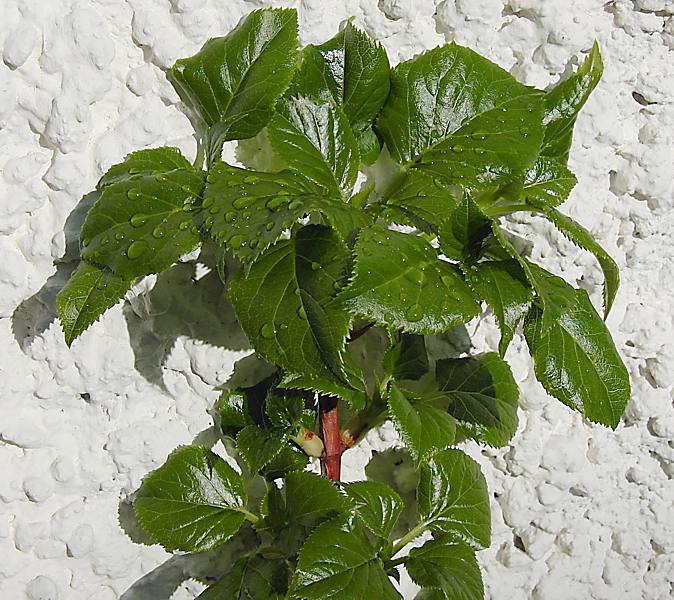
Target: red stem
x=331, y=461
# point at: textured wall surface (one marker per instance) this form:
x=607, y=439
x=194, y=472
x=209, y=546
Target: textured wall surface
x=579, y=511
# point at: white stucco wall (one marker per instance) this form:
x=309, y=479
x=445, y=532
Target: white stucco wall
x=579, y=511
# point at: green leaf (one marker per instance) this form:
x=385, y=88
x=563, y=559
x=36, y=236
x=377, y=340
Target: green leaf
x=194, y=502
x=90, y=291
x=248, y=211
x=456, y=115
x=503, y=285
x=453, y=499
x=251, y=578
x=142, y=223
x=548, y=181
x=583, y=238
x=378, y=505
x=285, y=412
x=418, y=200
x=314, y=137
x=285, y=306
x=339, y=561
x=407, y=358
x=400, y=283
x=425, y=428
x=291, y=458
x=309, y=496
x=145, y=162
x=353, y=70
x=483, y=396
x=244, y=406
x=233, y=82
x=461, y=235
x=446, y=566
x=563, y=103
x=551, y=293
x=259, y=446
x=576, y=360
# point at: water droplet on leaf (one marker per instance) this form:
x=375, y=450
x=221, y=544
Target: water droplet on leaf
x=251, y=179
x=302, y=313
x=237, y=241
x=208, y=202
x=315, y=266
x=134, y=194
x=268, y=331
x=138, y=220
x=136, y=249
x=183, y=225
x=86, y=242
x=158, y=232
x=230, y=216
x=414, y=314
x=119, y=236
x=242, y=202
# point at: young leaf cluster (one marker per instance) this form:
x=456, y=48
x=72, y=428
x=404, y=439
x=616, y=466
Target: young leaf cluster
x=340, y=301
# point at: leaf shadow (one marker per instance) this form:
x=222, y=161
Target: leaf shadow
x=35, y=314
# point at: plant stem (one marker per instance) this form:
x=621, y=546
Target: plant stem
x=391, y=564
x=410, y=536
x=249, y=515
x=361, y=422
x=331, y=460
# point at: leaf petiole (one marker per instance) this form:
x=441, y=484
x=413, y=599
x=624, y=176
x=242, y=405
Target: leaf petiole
x=254, y=519
x=410, y=536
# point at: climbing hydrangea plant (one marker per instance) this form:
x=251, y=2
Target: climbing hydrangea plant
x=354, y=317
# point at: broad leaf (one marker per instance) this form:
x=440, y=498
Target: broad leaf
x=583, y=238
x=233, y=82
x=194, y=502
x=456, y=115
x=461, y=235
x=563, y=103
x=448, y=567
x=407, y=358
x=285, y=412
x=483, y=396
x=314, y=137
x=453, y=499
x=291, y=458
x=248, y=211
x=339, y=561
x=151, y=161
x=576, y=359
x=378, y=505
x=244, y=406
x=352, y=70
x=285, y=305
x=549, y=181
x=309, y=496
x=503, y=285
x=90, y=291
x=399, y=282
x=418, y=200
x=142, y=223
x=258, y=446
x=424, y=427
x=252, y=578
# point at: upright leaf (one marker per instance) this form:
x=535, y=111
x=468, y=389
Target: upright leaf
x=309, y=496
x=315, y=138
x=564, y=101
x=407, y=358
x=142, y=221
x=576, y=359
x=549, y=181
x=483, y=396
x=462, y=233
x=251, y=578
x=424, y=427
x=194, y=502
x=285, y=305
x=233, y=82
x=258, y=446
x=90, y=291
x=378, y=505
x=353, y=70
x=456, y=115
x=448, y=567
x=453, y=499
x=583, y=238
x=150, y=161
x=503, y=285
x=400, y=283
x=347, y=567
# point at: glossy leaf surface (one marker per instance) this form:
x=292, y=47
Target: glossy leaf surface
x=378, y=505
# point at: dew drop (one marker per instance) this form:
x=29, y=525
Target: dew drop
x=247, y=214
x=136, y=249
x=242, y=202
x=237, y=241
x=187, y=207
x=160, y=178
x=524, y=131
x=208, y=221
x=274, y=203
x=119, y=236
x=230, y=216
x=133, y=194
x=457, y=148
x=315, y=266
x=208, y=202
x=183, y=225
x=194, y=229
x=438, y=182
x=302, y=313
x=268, y=331
x=283, y=192
x=98, y=255
x=479, y=136
x=479, y=150
x=297, y=292
x=105, y=241
x=158, y=232
x=251, y=179
x=214, y=210
x=414, y=313
x=211, y=178
x=86, y=242
x=269, y=226
x=295, y=204
x=138, y=220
